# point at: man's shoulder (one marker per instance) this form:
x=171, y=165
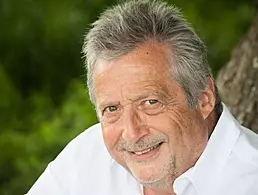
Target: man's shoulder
x=91, y=135
x=92, y=132
x=251, y=136
x=246, y=147
x=85, y=150
x=241, y=142
x=85, y=166
x=241, y=167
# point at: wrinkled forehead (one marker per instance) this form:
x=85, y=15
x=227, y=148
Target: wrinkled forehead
x=145, y=68
x=132, y=77
x=159, y=55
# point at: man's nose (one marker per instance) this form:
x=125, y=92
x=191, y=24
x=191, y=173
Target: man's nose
x=133, y=125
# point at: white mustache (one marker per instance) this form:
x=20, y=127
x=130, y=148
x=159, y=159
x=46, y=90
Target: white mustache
x=141, y=144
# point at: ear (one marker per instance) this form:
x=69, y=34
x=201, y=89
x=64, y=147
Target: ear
x=207, y=99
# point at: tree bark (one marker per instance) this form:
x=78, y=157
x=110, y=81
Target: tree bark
x=237, y=82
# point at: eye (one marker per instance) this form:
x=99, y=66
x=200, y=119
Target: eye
x=151, y=106
x=110, y=109
x=110, y=114
x=151, y=102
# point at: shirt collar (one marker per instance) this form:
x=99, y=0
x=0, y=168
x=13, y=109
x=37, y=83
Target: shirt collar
x=214, y=157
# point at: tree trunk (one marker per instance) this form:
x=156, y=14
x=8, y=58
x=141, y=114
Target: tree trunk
x=237, y=82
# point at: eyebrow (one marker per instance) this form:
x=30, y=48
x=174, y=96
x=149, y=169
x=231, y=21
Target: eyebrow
x=148, y=94
x=156, y=93
x=145, y=95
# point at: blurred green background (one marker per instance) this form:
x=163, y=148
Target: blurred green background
x=43, y=96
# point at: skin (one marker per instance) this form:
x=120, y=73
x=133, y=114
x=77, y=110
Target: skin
x=139, y=105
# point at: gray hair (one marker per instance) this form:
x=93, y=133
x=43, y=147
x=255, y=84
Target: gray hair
x=123, y=27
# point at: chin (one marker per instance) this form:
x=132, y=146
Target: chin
x=151, y=168
x=148, y=175
x=160, y=181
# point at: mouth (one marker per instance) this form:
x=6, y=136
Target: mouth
x=146, y=153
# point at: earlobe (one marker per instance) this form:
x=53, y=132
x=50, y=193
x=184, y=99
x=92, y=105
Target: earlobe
x=207, y=99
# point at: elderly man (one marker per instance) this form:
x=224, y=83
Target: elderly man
x=163, y=129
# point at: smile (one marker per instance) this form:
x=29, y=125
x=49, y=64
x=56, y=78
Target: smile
x=147, y=150
x=146, y=153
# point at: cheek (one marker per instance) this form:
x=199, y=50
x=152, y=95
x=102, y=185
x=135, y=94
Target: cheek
x=111, y=135
x=165, y=123
x=180, y=128
x=170, y=127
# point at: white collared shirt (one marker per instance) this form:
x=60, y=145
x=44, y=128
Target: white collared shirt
x=228, y=166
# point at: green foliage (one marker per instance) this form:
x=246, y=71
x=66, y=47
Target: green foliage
x=43, y=101
x=47, y=129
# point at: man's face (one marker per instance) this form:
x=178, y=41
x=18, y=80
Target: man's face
x=147, y=126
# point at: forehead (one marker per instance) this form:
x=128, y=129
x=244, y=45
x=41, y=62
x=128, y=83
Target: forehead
x=152, y=54
x=144, y=69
